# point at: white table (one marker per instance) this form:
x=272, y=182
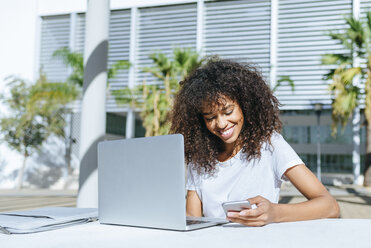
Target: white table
x=350, y=233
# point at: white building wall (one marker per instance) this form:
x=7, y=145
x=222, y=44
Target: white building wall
x=231, y=29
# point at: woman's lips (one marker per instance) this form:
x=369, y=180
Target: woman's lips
x=226, y=134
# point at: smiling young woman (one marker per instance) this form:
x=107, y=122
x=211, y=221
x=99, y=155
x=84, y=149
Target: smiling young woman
x=225, y=120
x=230, y=122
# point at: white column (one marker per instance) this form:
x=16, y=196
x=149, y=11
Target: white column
x=273, y=43
x=93, y=109
x=38, y=23
x=130, y=117
x=356, y=156
x=72, y=31
x=356, y=8
x=356, y=121
x=130, y=124
x=200, y=26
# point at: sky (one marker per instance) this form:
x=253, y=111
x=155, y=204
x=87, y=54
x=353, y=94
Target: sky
x=17, y=43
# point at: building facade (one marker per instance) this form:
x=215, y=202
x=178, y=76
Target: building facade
x=282, y=37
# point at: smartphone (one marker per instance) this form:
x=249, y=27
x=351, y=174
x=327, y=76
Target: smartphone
x=236, y=206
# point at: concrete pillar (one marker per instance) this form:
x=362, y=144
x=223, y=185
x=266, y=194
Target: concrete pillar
x=356, y=155
x=130, y=115
x=130, y=124
x=93, y=112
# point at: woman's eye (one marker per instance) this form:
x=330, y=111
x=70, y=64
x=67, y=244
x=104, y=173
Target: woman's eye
x=230, y=112
x=209, y=118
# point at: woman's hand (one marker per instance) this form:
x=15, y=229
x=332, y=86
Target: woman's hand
x=320, y=203
x=262, y=215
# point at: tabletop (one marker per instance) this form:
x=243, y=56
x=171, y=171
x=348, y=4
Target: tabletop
x=315, y=233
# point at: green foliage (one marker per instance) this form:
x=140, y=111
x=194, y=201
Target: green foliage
x=36, y=112
x=283, y=79
x=75, y=61
x=116, y=67
x=19, y=130
x=156, y=99
x=347, y=76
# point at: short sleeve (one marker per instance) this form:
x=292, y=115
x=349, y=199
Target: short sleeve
x=192, y=179
x=284, y=157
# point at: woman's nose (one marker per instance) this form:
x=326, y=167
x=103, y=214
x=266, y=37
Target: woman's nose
x=221, y=123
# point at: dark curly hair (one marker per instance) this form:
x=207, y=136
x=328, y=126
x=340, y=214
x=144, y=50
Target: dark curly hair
x=210, y=84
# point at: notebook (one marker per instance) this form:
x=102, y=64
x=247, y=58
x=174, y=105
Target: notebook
x=141, y=182
x=44, y=219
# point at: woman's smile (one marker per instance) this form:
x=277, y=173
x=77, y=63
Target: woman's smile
x=227, y=133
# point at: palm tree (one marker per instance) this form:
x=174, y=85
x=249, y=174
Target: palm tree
x=283, y=79
x=35, y=115
x=75, y=61
x=351, y=78
x=155, y=99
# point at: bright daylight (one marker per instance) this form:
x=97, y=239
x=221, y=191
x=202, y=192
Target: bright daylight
x=185, y=123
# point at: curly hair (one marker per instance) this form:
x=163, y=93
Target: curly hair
x=209, y=85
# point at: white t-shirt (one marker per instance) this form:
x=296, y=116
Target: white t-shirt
x=239, y=179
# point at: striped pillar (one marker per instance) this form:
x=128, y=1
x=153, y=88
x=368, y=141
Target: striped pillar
x=93, y=108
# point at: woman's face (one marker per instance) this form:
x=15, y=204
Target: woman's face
x=224, y=120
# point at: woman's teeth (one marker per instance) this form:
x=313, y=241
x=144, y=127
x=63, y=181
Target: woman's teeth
x=227, y=132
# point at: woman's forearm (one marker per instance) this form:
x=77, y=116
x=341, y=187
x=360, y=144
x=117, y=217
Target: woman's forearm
x=319, y=207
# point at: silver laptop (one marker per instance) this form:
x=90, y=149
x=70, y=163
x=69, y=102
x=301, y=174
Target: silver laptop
x=141, y=182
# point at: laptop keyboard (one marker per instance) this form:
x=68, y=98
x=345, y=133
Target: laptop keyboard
x=194, y=222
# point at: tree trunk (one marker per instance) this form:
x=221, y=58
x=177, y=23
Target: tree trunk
x=367, y=181
x=69, y=143
x=21, y=172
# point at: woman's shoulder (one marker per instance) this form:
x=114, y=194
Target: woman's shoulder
x=274, y=140
x=194, y=170
x=276, y=136
x=275, y=144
